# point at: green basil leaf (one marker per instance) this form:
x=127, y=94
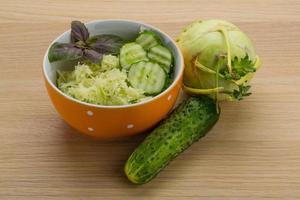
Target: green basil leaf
x=64, y=51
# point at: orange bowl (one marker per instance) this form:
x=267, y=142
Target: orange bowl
x=114, y=121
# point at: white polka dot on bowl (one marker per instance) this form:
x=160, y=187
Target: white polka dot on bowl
x=89, y=113
x=90, y=129
x=130, y=126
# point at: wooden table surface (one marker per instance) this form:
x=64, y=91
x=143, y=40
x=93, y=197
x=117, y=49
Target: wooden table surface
x=252, y=153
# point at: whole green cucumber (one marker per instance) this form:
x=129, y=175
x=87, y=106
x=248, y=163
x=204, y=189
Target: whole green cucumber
x=186, y=124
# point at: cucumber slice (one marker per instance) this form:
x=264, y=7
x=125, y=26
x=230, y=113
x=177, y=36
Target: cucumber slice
x=147, y=39
x=147, y=76
x=131, y=53
x=162, y=56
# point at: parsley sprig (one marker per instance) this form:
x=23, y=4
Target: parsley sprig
x=242, y=92
x=240, y=67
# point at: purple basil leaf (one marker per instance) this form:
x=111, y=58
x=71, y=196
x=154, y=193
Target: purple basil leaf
x=64, y=51
x=106, y=44
x=78, y=32
x=92, y=55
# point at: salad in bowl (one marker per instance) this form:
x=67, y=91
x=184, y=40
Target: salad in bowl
x=113, y=78
x=111, y=70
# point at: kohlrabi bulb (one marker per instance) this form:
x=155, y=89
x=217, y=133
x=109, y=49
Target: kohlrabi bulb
x=219, y=60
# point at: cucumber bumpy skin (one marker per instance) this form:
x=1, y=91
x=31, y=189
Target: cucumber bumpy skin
x=186, y=124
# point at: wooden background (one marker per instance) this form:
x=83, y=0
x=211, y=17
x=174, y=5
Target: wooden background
x=252, y=153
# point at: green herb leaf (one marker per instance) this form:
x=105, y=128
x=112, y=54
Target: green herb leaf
x=240, y=67
x=242, y=92
x=243, y=66
x=227, y=75
x=64, y=51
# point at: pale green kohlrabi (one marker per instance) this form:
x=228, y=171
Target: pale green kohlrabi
x=219, y=60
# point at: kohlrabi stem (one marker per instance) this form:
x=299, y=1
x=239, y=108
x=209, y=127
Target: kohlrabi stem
x=217, y=84
x=206, y=69
x=202, y=91
x=225, y=34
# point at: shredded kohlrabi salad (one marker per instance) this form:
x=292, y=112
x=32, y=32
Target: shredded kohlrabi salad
x=103, y=84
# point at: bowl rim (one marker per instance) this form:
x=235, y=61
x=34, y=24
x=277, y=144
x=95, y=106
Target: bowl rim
x=175, y=81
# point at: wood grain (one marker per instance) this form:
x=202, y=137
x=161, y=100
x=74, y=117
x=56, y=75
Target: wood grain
x=252, y=153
